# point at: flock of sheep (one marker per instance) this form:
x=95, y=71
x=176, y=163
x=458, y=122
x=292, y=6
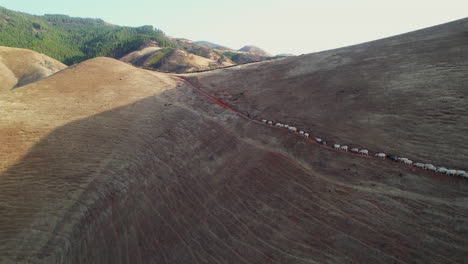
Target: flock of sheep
x=381, y=155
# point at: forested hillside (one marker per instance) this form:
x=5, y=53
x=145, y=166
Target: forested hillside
x=73, y=40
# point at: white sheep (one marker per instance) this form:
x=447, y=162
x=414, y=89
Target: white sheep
x=336, y=146
x=381, y=155
x=344, y=148
x=460, y=173
x=301, y=132
x=430, y=167
x=451, y=172
x=441, y=170
x=278, y=124
x=264, y=120
x=293, y=128
x=270, y=122
x=419, y=165
x=286, y=126
x=406, y=161
x=355, y=150
x=319, y=140
x=306, y=135
x=364, y=152
x=403, y=159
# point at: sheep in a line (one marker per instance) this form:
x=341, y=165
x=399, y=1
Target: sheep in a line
x=364, y=152
x=430, y=167
x=451, y=172
x=463, y=174
x=393, y=157
x=419, y=165
x=381, y=155
x=406, y=161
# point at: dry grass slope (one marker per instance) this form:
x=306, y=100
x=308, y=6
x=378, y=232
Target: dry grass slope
x=172, y=60
x=19, y=67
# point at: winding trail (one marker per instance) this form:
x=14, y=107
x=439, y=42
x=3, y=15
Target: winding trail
x=309, y=140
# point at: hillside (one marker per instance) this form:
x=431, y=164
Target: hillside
x=107, y=163
x=189, y=56
x=172, y=60
x=72, y=40
x=211, y=44
x=404, y=95
x=19, y=67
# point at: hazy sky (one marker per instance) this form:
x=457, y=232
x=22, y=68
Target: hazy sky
x=278, y=26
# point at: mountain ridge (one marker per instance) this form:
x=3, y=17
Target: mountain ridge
x=73, y=40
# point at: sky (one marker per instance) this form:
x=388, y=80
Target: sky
x=277, y=26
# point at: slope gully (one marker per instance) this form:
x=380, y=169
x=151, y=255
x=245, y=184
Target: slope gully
x=258, y=122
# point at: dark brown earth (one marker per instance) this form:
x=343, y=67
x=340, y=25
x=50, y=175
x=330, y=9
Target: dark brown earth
x=107, y=163
x=406, y=94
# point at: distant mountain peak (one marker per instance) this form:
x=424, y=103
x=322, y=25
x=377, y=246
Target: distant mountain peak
x=255, y=50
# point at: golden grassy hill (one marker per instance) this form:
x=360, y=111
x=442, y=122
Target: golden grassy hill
x=174, y=60
x=19, y=67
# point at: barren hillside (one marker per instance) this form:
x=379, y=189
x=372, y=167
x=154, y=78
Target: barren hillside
x=405, y=95
x=107, y=163
x=19, y=67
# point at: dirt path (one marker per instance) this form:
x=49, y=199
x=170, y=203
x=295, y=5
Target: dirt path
x=310, y=140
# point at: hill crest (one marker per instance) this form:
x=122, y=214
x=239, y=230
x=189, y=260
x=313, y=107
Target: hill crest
x=19, y=67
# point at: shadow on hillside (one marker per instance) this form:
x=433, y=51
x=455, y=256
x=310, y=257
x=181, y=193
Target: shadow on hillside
x=153, y=182
x=50, y=192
